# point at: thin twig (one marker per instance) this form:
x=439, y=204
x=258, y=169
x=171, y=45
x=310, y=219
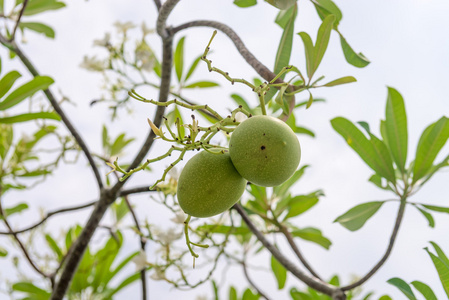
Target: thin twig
x=13, y=34
x=384, y=258
x=260, y=68
x=19, y=242
x=298, y=253
x=313, y=282
x=49, y=215
x=245, y=272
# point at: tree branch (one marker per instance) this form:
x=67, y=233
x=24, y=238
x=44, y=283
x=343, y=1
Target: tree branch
x=260, y=68
x=60, y=112
x=161, y=22
x=49, y=215
x=384, y=258
x=13, y=34
x=313, y=282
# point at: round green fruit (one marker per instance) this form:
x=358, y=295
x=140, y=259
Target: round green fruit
x=209, y=184
x=264, y=150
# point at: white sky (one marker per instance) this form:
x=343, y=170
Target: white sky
x=408, y=45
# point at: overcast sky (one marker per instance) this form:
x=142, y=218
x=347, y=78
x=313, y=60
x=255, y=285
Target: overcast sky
x=407, y=42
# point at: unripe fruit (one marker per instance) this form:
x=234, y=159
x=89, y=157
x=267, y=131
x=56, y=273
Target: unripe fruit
x=264, y=150
x=209, y=184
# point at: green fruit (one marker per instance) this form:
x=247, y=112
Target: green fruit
x=264, y=150
x=209, y=185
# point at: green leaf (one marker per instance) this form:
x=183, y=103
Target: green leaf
x=357, y=216
x=327, y=7
x=424, y=289
x=396, y=127
x=357, y=60
x=240, y=101
x=249, y=295
x=312, y=235
x=14, y=210
x=284, y=16
x=232, y=293
x=442, y=269
x=437, y=208
x=322, y=40
x=403, y=287
x=310, y=53
x=285, y=44
x=3, y=252
x=120, y=266
x=300, y=204
x=279, y=272
x=441, y=254
x=38, y=6
x=54, y=246
x=309, y=103
x=432, y=140
x=342, y=80
x=298, y=295
x=282, y=189
x=119, y=144
x=385, y=297
x=1, y=12
x=30, y=117
x=127, y=281
x=39, y=28
x=193, y=67
x=371, y=154
x=245, y=3
x=7, y=82
x=28, y=89
x=178, y=58
x=202, y=84
x=385, y=163
x=32, y=290
x=428, y=216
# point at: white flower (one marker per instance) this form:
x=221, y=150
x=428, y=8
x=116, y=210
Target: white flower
x=179, y=218
x=168, y=236
x=240, y=117
x=123, y=27
x=103, y=42
x=174, y=173
x=144, y=55
x=93, y=64
x=159, y=274
x=201, y=297
x=140, y=260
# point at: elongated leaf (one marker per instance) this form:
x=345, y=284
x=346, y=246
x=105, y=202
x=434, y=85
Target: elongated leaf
x=396, y=127
x=202, y=84
x=232, y=293
x=192, y=68
x=39, y=28
x=440, y=253
x=437, y=208
x=357, y=60
x=249, y=295
x=7, y=82
x=312, y=235
x=339, y=81
x=28, y=89
x=38, y=6
x=403, y=287
x=120, y=266
x=322, y=40
x=357, y=216
x=442, y=269
x=310, y=53
x=385, y=297
x=432, y=140
x=298, y=295
x=54, y=246
x=240, y=101
x=284, y=16
x=285, y=44
x=383, y=158
x=425, y=290
x=282, y=189
x=3, y=252
x=31, y=289
x=223, y=229
x=15, y=209
x=178, y=58
x=327, y=7
x=127, y=281
x=245, y=3
x=30, y=117
x=279, y=272
x=428, y=216
x=300, y=204
x=364, y=148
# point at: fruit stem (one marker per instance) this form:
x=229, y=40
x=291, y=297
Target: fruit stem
x=186, y=233
x=262, y=103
